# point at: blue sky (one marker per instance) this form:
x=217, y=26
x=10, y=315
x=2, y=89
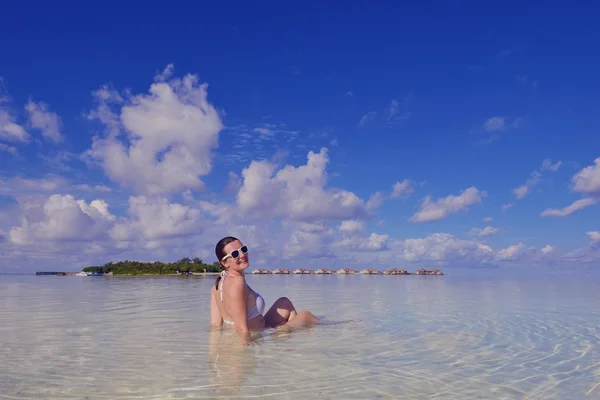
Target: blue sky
x=443, y=97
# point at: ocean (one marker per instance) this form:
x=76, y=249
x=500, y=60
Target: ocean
x=471, y=334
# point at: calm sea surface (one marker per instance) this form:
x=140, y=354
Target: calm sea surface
x=467, y=335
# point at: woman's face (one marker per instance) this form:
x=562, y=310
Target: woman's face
x=236, y=258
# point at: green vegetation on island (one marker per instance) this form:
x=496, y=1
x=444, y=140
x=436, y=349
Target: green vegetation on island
x=183, y=266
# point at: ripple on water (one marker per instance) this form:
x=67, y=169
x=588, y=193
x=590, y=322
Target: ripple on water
x=398, y=337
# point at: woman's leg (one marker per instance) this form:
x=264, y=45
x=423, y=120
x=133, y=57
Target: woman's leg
x=283, y=312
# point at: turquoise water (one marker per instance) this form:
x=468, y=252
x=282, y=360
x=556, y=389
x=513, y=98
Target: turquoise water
x=493, y=334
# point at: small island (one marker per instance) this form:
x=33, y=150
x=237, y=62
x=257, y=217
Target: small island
x=184, y=266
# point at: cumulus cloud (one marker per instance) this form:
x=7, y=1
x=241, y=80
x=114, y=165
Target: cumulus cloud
x=547, y=249
x=374, y=242
x=296, y=193
x=63, y=218
x=483, y=232
x=168, y=136
x=588, y=179
x=577, y=205
x=402, y=188
x=155, y=218
x=446, y=248
x=352, y=226
x=511, y=252
x=234, y=183
x=309, y=240
x=435, y=210
x=49, y=123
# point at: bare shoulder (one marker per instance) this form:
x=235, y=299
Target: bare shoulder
x=236, y=285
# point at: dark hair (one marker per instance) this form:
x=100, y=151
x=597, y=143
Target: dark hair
x=220, y=253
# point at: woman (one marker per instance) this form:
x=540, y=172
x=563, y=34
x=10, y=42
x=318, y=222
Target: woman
x=234, y=303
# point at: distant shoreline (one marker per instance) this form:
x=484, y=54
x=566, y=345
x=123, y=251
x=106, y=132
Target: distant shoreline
x=300, y=271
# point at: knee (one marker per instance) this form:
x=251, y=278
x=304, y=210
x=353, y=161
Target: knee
x=284, y=302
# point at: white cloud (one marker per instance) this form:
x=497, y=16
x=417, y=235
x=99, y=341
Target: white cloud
x=308, y=240
x=392, y=109
x=374, y=242
x=548, y=166
x=577, y=205
x=9, y=129
x=441, y=208
x=500, y=124
x=18, y=185
x=171, y=132
x=375, y=201
x=494, y=124
x=488, y=219
x=512, y=252
x=547, y=249
x=445, y=248
x=234, y=183
x=93, y=188
x=165, y=74
x=483, y=232
x=47, y=122
x=296, y=193
x=594, y=236
x=264, y=131
x=10, y=149
x=523, y=190
x=535, y=178
x=402, y=188
x=366, y=118
x=156, y=218
x=588, y=179
x=63, y=218
x=352, y=226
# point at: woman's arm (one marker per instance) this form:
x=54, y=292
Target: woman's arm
x=237, y=307
x=216, y=320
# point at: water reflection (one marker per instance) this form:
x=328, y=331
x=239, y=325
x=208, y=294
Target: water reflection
x=229, y=361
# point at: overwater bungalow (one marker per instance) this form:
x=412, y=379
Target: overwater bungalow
x=346, y=271
x=302, y=271
x=281, y=271
x=261, y=271
x=369, y=271
x=395, y=271
x=324, y=271
x=424, y=271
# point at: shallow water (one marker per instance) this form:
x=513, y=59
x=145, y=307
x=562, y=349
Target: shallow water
x=469, y=335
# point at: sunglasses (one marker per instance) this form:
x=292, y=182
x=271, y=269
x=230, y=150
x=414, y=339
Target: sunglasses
x=236, y=253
